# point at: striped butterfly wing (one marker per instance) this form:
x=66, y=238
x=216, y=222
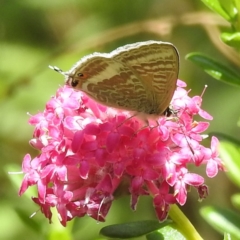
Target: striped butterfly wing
x=138, y=77
x=108, y=81
x=156, y=64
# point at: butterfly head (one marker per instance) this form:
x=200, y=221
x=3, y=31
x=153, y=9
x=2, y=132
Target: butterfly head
x=72, y=79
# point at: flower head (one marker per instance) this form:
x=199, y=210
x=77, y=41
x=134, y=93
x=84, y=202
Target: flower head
x=88, y=150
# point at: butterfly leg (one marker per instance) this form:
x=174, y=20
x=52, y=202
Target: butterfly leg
x=127, y=119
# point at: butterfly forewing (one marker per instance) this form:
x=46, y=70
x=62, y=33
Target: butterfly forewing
x=109, y=82
x=139, y=77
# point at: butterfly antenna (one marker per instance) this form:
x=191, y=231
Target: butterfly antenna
x=58, y=70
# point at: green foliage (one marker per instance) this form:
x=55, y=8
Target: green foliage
x=231, y=39
x=132, y=229
x=231, y=12
x=227, y=9
x=215, y=69
x=35, y=34
x=222, y=219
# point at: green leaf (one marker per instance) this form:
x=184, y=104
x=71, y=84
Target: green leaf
x=236, y=200
x=230, y=154
x=171, y=233
x=223, y=220
x=229, y=150
x=231, y=39
x=155, y=236
x=215, y=69
x=132, y=229
x=215, y=6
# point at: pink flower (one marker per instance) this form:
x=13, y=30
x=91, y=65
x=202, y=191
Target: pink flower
x=87, y=152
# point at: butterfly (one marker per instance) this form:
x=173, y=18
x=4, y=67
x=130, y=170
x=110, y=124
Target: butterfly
x=139, y=77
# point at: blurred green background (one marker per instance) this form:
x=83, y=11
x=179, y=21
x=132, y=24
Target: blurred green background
x=35, y=34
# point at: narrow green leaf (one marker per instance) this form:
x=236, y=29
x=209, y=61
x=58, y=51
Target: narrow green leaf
x=132, y=229
x=236, y=200
x=230, y=154
x=229, y=150
x=155, y=236
x=223, y=220
x=230, y=8
x=231, y=39
x=215, y=6
x=172, y=233
x=215, y=69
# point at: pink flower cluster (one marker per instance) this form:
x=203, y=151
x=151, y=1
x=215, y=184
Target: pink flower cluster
x=87, y=150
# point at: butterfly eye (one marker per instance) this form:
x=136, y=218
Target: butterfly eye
x=81, y=75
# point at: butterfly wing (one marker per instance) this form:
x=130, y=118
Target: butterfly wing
x=138, y=77
x=107, y=81
x=156, y=64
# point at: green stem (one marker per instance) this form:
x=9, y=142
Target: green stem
x=183, y=224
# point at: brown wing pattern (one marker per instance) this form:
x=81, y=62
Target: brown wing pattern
x=109, y=82
x=156, y=66
x=135, y=77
